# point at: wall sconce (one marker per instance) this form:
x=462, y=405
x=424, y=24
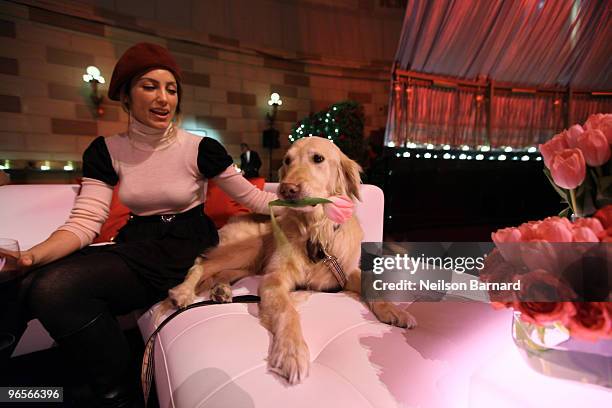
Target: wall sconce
x=275, y=101
x=94, y=78
x=271, y=136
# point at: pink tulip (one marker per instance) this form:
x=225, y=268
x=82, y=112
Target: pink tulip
x=555, y=229
x=572, y=135
x=552, y=147
x=540, y=254
x=507, y=240
x=601, y=122
x=568, y=168
x=594, y=147
x=584, y=234
x=339, y=210
x=605, y=235
x=529, y=230
x=591, y=223
x=604, y=215
x=506, y=235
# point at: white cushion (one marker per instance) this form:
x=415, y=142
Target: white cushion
x=30, y=213
x=216, y=355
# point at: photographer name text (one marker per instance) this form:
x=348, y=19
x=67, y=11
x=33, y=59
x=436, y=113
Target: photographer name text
x=442, y=285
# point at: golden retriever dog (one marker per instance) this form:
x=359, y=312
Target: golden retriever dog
x=312, y=167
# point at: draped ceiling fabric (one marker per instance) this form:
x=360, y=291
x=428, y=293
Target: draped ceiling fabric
x=552, y=44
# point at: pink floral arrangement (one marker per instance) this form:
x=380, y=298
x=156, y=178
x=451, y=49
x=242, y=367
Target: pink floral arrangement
x=523, y=253
x=578, y=164
x=538, y=253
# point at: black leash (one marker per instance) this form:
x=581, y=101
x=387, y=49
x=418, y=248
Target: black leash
x=148, y=362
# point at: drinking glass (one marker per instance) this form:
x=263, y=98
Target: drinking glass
x=9, y=254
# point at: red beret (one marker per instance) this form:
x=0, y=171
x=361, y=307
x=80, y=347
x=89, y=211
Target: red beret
x=137, y=60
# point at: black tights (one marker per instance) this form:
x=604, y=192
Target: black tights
x=73, y=295
x=67, y=294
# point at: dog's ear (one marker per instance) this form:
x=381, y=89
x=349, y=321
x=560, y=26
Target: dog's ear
x=350, y=172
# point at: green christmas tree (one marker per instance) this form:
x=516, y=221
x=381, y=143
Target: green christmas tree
x=342, y=123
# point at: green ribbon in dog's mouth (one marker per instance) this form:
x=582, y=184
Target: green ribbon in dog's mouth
x=281, y=239
x=304, y=202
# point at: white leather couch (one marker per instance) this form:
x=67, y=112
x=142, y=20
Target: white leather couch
x=460, y=355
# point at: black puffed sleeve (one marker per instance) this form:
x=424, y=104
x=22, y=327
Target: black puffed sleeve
x=97, y=163
x=212, y=158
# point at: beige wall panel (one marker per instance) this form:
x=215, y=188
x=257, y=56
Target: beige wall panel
x=51, y=143
x=13, y=85
x=12, y=141
x=225, y=82
x=24, y=123
x=210, y=95
x=47, y=107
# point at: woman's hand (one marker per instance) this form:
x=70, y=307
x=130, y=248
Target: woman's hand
x=23, y=259
x=58, y=245
x=26, y=260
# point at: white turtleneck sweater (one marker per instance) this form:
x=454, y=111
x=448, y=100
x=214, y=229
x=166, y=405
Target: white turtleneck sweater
x=162, y=171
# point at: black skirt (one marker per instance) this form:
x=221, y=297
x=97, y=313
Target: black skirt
x=161, y=249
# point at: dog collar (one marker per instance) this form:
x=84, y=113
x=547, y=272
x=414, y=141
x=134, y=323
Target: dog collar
x=317, y=253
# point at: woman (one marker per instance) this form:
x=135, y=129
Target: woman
x=75, y=290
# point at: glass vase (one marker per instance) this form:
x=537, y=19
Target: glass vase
x=551, y=351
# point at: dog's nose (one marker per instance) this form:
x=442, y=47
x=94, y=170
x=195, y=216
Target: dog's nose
x=289, y=191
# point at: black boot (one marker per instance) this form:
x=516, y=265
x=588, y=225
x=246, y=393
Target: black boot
x=102, y=352
x=8, y=342
x=12, y=321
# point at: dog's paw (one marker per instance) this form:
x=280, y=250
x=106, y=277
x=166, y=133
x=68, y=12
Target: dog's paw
x=221, y=293
x=391, y=314
x=289, y=357
x=181, y=296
